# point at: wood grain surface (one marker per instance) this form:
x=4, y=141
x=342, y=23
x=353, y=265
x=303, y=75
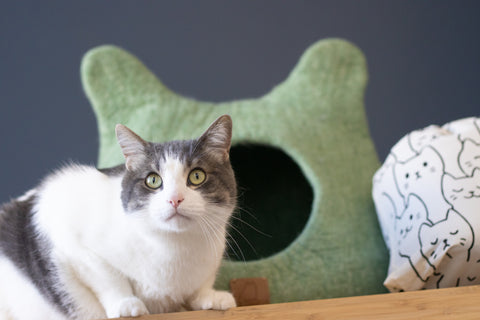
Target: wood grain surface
x=453, y=303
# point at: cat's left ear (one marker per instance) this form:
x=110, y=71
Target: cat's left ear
x=133, y=147
x=476, y=173
x=218, y=137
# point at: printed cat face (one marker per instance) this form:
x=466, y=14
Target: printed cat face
x=408, y=224
x=467, y=128
x=419, y=174
x=419, y=139
x=451, y=238
x=469, y=157
x=461, y=189
x=179, y=185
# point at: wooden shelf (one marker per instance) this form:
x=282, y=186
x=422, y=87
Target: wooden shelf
x=453, y=303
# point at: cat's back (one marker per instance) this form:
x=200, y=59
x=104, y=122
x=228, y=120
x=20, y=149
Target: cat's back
x=77, y=198
x=32, y=226
x=27, y=275
x=78, y=183
x=66, y=201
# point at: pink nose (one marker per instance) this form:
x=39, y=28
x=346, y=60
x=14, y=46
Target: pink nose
x=175, y=201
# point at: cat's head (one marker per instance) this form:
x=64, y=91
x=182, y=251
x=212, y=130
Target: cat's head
x=407, y=224
x=419, y=174
x=447, y=239
x=180, y=185
x=469, y=157
x=462, y=189
x=419, y=139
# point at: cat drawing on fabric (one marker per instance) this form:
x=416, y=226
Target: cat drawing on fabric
x=448, y=240
x=469, y=157
x=422, y=176
x=144, y=237
x=464, y=195
x=407, y=227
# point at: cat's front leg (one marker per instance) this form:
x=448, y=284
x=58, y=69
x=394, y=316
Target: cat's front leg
x=209, y=298
x=127, y=307
x=118, y=299
x=112, y=289
x=213, y=299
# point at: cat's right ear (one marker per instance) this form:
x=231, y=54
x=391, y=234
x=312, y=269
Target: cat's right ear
x=133, y=147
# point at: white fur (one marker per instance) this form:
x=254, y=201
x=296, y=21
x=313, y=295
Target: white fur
x=15, y=288
x=114, y=263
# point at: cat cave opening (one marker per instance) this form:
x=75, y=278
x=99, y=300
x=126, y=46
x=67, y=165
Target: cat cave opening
x=274, y=202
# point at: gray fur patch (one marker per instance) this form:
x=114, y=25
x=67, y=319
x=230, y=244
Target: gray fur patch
x=22, y=244
x=114, y=171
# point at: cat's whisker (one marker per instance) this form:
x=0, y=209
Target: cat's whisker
x=233, y=216
x=221, y=223
x=207, y=236
x=230, y=225
x=252, y=227
x=212, y=225
x=243, y=210
x=214, y=230
x=240, y=256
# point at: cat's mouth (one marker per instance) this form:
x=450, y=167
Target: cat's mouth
x=407, y=231
x=178, y=215
x=472, y=195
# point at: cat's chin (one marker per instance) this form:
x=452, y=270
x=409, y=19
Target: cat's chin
x=174, y=222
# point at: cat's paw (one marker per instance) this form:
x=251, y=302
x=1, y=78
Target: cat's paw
x=211, y=299
x=128, y=307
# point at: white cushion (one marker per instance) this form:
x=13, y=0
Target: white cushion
x=427, y=196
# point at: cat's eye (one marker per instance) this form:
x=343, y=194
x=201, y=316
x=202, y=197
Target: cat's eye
x=197, y=177
x=153, y=181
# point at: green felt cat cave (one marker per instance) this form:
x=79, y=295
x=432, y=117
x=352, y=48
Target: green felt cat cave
x=302, y=154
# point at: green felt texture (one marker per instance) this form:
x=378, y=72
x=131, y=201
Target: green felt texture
x=316, y=117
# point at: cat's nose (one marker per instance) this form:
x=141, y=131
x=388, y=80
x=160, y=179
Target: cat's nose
x=175, y=201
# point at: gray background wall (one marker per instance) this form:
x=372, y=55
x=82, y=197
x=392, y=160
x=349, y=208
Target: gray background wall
x=424, y=62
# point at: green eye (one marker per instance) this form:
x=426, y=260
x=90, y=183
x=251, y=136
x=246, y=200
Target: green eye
x=197, y=176
x=153, y=181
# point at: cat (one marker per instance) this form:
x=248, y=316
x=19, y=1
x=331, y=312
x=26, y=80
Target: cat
x=447, y=140
x=419, y=139
x=469, y=157
x=408, y=268
x=144, y=237
x=448, y=242
x=413, y=143
x=407, y=227
x=464, y=196
x=468, y=128
x=422, y=176
x=463, y=193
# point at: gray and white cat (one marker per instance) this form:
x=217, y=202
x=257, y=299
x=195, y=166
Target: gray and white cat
x=144, y=237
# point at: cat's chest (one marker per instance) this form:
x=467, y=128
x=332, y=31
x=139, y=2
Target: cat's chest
x=174, y=270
